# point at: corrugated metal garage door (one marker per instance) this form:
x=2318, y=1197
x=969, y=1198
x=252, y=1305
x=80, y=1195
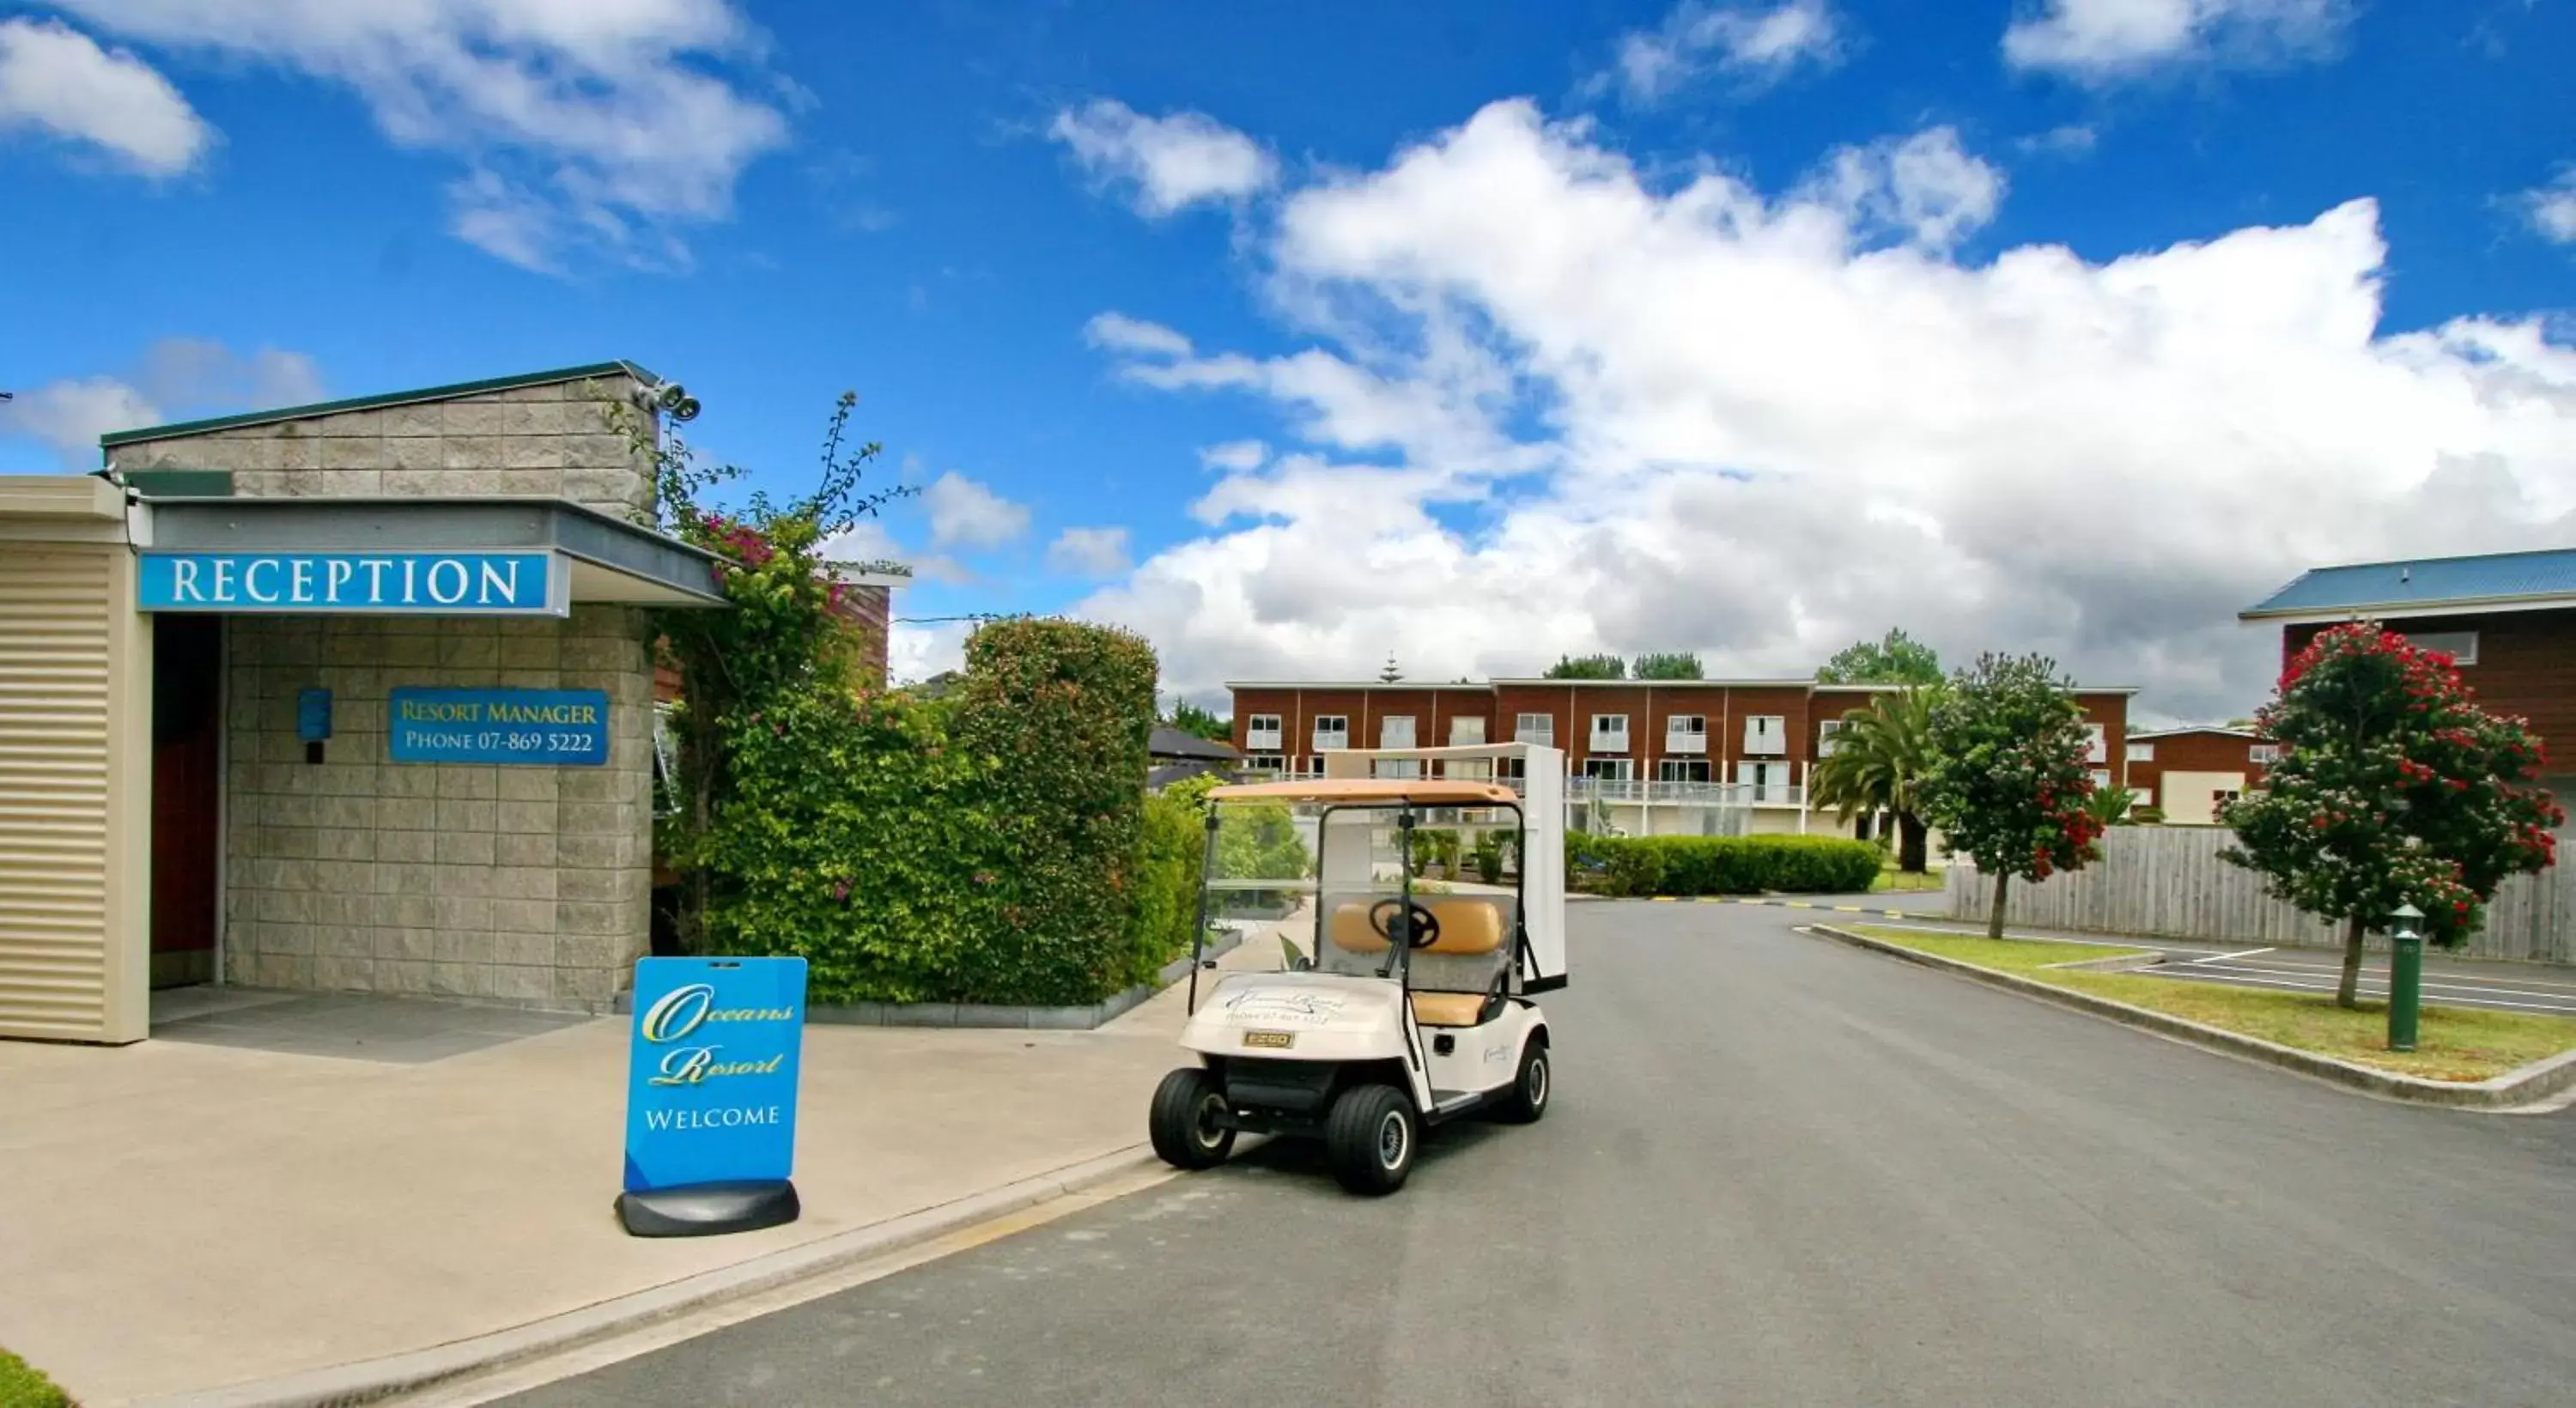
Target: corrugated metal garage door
x=55, y=674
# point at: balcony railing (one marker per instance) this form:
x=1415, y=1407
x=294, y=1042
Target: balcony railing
x=1605, y=741
x=1262, y=740
x=1677, y=742
x=1332, y=742
x=1703, y=794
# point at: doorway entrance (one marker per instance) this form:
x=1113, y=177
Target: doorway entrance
x=187, y=796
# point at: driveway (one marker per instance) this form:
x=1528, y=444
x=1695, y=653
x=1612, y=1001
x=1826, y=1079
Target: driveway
x=1779, y=1171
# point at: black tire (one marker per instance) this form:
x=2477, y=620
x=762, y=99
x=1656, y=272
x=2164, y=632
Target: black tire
x=1370, y=1138
x=1527, y=1099
x=1182, y=1126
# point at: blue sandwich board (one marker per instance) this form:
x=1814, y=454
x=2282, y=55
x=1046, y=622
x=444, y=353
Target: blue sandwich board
x=711, y=1094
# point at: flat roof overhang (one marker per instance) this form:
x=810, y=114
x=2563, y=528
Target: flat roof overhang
x=611, y=561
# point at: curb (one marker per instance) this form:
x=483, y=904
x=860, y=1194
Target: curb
x=369, y=1380
x=2535, y=1082
x=1774, y=904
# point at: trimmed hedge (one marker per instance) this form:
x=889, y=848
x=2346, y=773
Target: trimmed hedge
x=1719, y=865
x=990, y=848
x=21, y=1386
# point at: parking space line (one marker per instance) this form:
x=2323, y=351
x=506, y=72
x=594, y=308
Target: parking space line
x=2222, y=957
x=2367, y=990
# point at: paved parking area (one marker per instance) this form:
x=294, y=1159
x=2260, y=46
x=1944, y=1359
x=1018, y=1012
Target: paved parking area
x=2448, y=982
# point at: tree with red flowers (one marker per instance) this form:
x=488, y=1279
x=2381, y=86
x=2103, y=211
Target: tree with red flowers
x=2393, y=787
x=2009, y=778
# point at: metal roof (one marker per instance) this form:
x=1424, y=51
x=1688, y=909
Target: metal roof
x=2219, y=729
x=114, y=438
x=2505, y=580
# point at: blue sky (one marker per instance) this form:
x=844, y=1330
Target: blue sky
x=2037, y=324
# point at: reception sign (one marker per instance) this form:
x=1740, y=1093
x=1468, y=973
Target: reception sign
x=711, y=1072
x=364, y=583
x=532, y=727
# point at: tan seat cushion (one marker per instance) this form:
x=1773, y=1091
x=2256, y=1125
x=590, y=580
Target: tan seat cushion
x=1468, y=928
x=1448, y=1009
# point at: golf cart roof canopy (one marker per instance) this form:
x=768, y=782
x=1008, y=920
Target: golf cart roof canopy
x=1428, y=792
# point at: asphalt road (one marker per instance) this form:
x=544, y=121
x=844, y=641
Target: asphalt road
x=1778, y=1171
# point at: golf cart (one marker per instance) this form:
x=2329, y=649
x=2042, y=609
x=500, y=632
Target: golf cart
x=1401, y=1004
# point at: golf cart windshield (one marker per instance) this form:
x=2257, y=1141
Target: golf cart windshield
x=1349, y=887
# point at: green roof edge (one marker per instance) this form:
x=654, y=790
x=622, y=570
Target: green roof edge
x=114, y=438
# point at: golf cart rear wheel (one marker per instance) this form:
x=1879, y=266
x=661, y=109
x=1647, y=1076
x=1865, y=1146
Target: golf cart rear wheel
x=1528, y=1098
x=1369, y=1138
x=1186, y=1124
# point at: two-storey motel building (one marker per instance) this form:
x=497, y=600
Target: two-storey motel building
x=1647, y=757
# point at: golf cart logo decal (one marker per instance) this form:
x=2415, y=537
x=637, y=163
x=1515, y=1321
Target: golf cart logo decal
x=1496, y=1055
x=1277, y=1040
x=1294, y=1009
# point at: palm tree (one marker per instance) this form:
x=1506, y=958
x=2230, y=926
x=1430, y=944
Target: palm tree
x=1878, y=762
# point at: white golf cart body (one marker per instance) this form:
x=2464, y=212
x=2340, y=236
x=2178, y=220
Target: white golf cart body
x=1428, y=991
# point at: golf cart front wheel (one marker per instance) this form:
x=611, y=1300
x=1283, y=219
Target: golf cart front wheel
x=1369, y=1138
x=1187, y=1124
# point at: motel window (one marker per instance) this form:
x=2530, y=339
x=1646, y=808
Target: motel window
x=1332, y=731
x=1264, y=723
x=1682, y=770
x=1610, y=723
x=1534, y=728
x=1608, y=769
x=1314, y=765
x=1265, y=762
x=2461, y=646
x=1514, y=769
x=1466, y=732
x=1687, y=724
x=2142, y=752
x=2101, y=778
x=1395, y=767
x=2146, y=798
x=1395, y=731
x=666, y=764
x=2096, y=750
x=2264, y=753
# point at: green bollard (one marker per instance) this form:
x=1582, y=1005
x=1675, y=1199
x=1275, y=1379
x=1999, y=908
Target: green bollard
x=2405, y=978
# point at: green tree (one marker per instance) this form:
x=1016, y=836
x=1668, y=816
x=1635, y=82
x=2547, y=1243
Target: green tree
x=2008, y=778
x=1896, y=658
x=1669, y=665
x=2393, y=788
x=1199, y=723
x=782, y=638
x=1587, y=667
x=1882, y=754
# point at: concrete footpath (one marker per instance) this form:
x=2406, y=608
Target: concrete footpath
x=182, y=1216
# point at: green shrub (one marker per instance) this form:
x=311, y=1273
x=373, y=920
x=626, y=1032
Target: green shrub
x=1489, y=857
x=1058, y=713
x=22, y=1387
x=1167, y=875
x=992, y=848
x=1720, y=865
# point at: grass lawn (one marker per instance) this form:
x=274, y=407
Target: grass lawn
x=22, y=1387
x=1894, y=881
x=2452, y=1043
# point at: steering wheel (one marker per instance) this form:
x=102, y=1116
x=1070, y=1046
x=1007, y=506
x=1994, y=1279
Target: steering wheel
x=1421, y=927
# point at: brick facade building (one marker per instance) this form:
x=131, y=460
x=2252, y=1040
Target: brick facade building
x=2188, y=773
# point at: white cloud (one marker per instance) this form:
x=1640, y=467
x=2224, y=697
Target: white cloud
x=916, y=652
x=584, y=126
x=1750, y=41
x=2551, y=209
x=2101, y=40
x=1236, y=456
x=2073, y=139
x=1120, y=333
x=55, y=79
x=964, y=513
x=869, y=540
x=1638, y=417
x=1173, y=162
x=178, y=377
x=1089, y=552
x=1925, y=187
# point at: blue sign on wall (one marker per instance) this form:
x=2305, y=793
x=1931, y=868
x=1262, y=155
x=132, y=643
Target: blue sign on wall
x=312, y=715
x=536, y=727
x=711, y=1071
x=439, y=583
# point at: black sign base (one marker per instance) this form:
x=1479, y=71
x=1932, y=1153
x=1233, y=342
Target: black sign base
x=706, y=1209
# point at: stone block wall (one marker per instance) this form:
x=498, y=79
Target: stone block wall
x=557, y=441
x=526, y=885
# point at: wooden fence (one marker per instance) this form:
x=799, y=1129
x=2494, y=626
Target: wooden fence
x=2168, y=882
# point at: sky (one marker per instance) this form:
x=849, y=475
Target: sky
x=1297, y=337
